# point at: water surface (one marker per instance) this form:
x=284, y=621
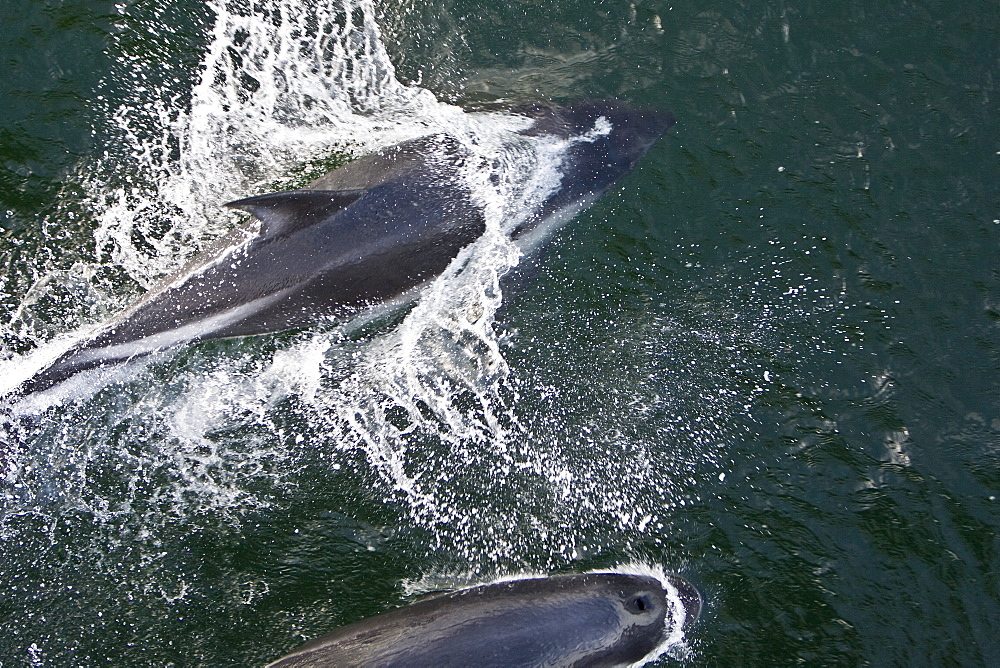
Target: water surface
x=768, y=360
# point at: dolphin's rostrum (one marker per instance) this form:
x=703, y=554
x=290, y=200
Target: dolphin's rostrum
x=365, y=233
x=595, y=619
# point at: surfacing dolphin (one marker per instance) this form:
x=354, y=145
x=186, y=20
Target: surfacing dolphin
x=366, y=233
x=597, y=619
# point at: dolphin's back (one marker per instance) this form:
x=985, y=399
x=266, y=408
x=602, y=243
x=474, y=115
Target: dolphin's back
x=541, y=632
x=367, y=232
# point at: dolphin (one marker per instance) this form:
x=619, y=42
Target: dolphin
x=595, y=619
x=369, y=232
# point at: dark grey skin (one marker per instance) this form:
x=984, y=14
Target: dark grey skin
x=366, y=233
x=597, y=619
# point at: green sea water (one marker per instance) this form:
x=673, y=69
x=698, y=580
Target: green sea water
x=767, y=360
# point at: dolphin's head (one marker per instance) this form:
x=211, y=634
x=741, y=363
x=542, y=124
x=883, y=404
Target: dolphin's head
x=649, y=613
x=589, y=619
x=608, y=139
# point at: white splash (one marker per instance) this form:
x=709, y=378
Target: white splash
x=283, y=88
x=428, y=401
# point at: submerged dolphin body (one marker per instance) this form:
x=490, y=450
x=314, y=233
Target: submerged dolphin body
x=597, y=619
x=365, y=233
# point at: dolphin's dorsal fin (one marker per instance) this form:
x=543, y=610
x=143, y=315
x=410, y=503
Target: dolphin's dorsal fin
x=280, y=213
